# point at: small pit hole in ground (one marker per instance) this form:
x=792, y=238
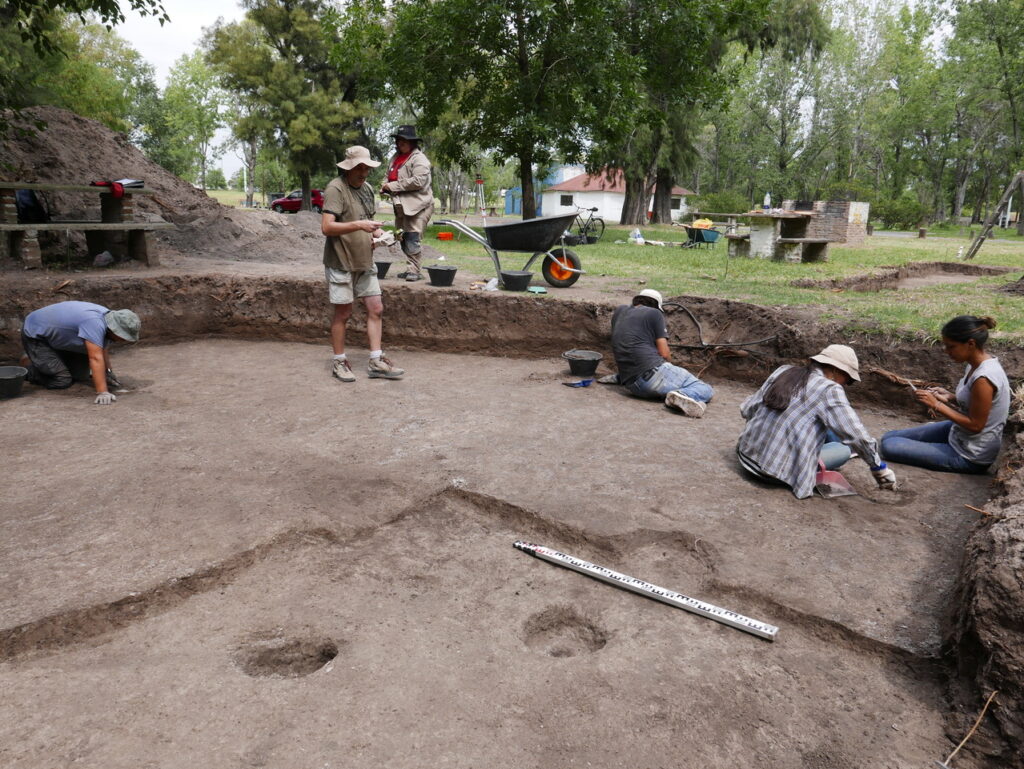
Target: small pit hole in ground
x=281, y=656
x=561, y=631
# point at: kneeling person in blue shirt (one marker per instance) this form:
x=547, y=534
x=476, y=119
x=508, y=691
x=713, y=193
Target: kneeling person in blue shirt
x=71, y=340
x=640, y=346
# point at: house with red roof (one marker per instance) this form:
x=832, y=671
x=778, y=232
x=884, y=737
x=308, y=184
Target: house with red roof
x=607, y=195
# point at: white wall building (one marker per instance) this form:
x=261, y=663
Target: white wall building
x=586, y=191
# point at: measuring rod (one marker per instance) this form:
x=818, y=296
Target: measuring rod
x=680, y=601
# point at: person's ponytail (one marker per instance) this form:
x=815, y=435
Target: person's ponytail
x=787, y=384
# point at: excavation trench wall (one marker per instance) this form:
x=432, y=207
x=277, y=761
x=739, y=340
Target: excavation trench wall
x=987, y=622
x=177, y=308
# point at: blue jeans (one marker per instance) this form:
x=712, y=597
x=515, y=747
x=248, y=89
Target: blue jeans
x=668, y=378
x=834, y=454
x=926, y=446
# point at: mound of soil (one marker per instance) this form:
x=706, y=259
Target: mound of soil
x=913, y=275
x=76, y=150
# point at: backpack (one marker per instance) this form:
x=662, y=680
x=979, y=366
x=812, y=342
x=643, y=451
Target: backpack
x=30, y=208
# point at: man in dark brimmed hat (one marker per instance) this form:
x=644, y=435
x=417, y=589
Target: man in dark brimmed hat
x=347, y=222
x=70, y=341
x=408, y=184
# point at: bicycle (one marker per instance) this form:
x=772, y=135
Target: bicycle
x=590, y=229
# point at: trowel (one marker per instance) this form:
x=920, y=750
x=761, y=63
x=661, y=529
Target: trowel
x=831, y=483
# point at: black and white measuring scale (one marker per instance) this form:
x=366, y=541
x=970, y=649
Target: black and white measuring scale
x=672, y=598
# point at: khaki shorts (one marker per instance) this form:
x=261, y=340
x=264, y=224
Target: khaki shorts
x=340, y=283
x=416, y=223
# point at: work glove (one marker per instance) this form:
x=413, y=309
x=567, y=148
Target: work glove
x=112, y=381
x=105, y=399
x=884, y=477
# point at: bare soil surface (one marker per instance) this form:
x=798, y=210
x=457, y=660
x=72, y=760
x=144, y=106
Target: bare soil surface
x=244, y=561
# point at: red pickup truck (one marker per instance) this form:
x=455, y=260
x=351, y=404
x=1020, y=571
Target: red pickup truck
x=292, y=202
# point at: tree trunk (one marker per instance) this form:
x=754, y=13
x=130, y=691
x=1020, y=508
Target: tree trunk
x=306, y=195
x=634, y=208
x=662, y=209
x=1020, y=207
x=526, y=180
x=249, y=152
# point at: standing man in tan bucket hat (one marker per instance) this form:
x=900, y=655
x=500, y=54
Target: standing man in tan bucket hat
x=408, y=184
x=348, y=224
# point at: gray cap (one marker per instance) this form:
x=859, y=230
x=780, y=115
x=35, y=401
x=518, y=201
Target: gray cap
x=124, y=323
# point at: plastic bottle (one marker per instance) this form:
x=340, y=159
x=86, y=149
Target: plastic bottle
x=767, y=201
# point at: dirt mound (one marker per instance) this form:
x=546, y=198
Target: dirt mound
x=1014, y=287
x=76, y=150
x=908, y=276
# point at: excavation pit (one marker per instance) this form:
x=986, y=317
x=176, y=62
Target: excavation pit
x=305, y=503
x=272, y=654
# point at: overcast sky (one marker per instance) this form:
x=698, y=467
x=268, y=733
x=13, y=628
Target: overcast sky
x=162, y=46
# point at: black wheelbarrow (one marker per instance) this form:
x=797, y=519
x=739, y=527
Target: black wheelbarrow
x=561, y=266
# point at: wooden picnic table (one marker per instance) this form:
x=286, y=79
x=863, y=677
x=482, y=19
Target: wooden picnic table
x=117, y=216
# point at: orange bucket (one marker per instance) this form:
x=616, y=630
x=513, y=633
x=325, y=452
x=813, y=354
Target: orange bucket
x=444, y=236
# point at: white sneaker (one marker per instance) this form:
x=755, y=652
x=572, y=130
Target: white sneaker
x=686, y=404
x=343, y=371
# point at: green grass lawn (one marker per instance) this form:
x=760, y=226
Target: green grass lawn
x=707, y=272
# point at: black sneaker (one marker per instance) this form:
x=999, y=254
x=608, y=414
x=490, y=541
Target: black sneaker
x=402, y=275
x=411, y=276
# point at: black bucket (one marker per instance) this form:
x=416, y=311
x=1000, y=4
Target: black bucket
x=11, y=380
x=382, y=269
x=515, y=280
x=582, y=362
x=441, y=274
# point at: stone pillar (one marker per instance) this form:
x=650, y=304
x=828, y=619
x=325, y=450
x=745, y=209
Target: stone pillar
x=27, y=247
x=8, y=207
x=141, y=247
x=111, y=208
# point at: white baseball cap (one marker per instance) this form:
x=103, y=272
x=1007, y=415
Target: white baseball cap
x=652, y=294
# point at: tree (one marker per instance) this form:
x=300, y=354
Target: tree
x=38, y=24
x=215, y=179
x=507, y=76
x=990, y=34
x=99, y=76
x=33, y=19
x=279, y=68
x=194, y=102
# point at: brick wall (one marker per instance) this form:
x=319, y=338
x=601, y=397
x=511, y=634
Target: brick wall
x=837, y=220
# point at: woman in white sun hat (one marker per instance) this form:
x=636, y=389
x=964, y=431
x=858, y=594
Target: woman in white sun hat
x=801, y=417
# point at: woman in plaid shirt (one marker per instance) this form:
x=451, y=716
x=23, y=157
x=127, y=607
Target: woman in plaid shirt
x=801, y=417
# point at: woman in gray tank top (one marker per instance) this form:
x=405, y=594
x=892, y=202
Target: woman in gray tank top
x=969, y=438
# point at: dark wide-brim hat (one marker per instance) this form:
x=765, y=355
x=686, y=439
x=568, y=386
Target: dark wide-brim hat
x=407, y=132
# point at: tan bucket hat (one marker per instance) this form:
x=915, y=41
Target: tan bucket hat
x=650, y=293
x=357, y=155
x=842, y=357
